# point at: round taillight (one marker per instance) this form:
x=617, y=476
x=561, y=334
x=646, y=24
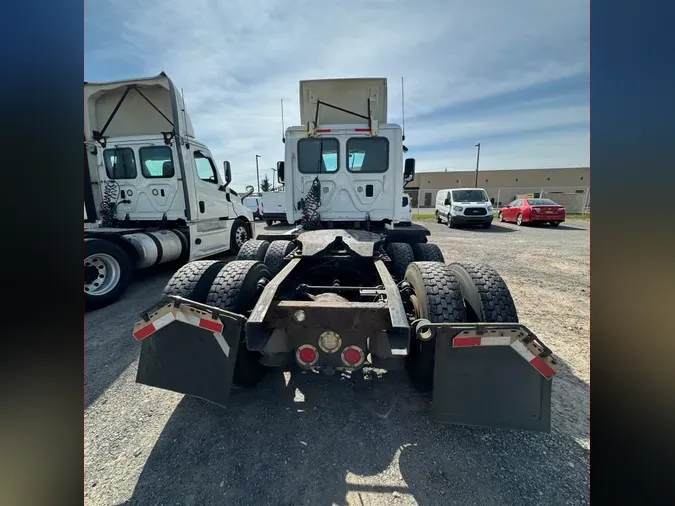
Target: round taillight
x=307, y=354
x=352, y=356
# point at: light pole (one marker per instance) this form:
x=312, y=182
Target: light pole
x=477, y=162
x=257, y=173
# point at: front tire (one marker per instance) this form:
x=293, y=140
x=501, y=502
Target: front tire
x=451, y=223
x=239, y=235
x=237, y=288
x=436, y=297
x=500, y=217
x=107, y=273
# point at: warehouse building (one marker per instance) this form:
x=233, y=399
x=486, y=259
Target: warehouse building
x=567, y=186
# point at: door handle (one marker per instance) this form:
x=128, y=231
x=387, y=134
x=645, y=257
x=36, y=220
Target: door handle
x=202, y=207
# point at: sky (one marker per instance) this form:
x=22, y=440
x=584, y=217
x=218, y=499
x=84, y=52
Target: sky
x=512, y=75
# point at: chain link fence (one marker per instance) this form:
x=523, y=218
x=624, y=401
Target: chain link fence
x=575, y=201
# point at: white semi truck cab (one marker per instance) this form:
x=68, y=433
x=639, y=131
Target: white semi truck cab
x=344, y=165
x=154, y=192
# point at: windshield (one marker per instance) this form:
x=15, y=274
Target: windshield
x=541, y=202
x=469, y=196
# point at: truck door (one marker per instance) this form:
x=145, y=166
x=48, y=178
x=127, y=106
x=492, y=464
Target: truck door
x=211, y=202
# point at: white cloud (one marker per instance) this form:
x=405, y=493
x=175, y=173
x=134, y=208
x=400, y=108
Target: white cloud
x=237, y=59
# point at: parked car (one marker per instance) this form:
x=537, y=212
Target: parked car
x=464, y=206
x=533, y=211
x=254, y=203
x=406, y=216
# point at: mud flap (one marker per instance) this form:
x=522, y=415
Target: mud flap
x=492, y=375
x=189, y=348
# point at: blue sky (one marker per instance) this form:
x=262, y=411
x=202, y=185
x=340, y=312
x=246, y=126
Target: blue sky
x=511, y=75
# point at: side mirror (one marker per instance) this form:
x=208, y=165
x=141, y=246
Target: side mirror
x=249, y=190
x=280, y=172
x=409, y=169
x=228, y=172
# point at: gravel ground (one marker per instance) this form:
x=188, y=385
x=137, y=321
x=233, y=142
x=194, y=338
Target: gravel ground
x=300, y=439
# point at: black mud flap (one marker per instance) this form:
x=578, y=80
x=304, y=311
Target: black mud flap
x=492, y=375
x=189, y=348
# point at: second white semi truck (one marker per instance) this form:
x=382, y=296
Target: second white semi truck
x=153, y=192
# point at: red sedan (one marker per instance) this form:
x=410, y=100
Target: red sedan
x=533, y=211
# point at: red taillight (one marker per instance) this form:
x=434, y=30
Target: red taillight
x=352, y=356
x=307, y=354
x=536, y=209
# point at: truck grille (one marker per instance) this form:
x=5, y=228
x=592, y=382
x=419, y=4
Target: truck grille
x=475, y=211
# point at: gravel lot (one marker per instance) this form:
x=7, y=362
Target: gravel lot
x=300, y=439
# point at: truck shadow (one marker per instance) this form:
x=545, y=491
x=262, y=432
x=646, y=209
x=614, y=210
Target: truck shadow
x=322, y=441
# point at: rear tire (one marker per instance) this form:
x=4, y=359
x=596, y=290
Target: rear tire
x=193, y=280
x=237, y=289
x=109, y=271
x=276, y=254
x=439, y=300
x=253, y=249
x=427, y=252
x=438, y=218
x=401, y=254
x=239, y=235
x=554, y=223
x=519, y=220
x=486, y=296
x=500, y=217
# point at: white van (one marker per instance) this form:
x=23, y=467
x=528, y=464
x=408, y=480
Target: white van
x=464, y=206
x=406, y=215
x=254, y=204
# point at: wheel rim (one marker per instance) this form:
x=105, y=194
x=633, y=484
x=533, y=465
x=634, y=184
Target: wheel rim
x=501, y=217
x=102, y=274
x=519, y=220
x=240, y=236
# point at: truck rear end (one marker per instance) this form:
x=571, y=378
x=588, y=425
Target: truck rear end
x=341, y=298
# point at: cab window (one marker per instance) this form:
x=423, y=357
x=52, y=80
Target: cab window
x=156, y=161
x=120, y=163
x=368, y=154
x=206, y=170
x=318, y=155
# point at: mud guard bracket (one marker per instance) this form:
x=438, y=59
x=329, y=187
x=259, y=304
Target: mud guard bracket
x=492, y=375
x=189, y=348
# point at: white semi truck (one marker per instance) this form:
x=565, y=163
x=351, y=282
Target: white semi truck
x=349, y=288
x=153, y=192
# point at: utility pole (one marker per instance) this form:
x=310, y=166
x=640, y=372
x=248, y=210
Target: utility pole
x=257, y=173
x=477, y=162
